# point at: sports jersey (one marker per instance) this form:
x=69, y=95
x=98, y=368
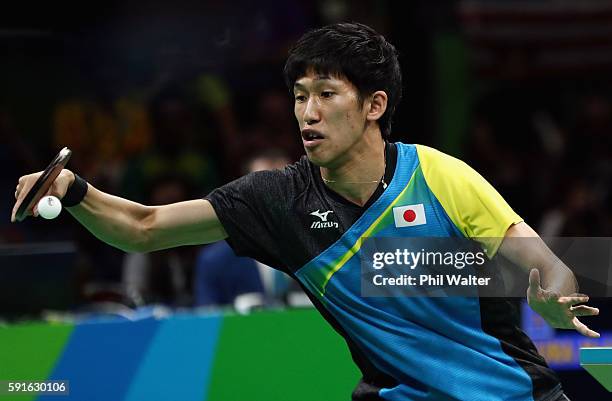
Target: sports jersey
x=407, y=348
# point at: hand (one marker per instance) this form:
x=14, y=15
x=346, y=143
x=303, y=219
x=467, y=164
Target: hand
x=58, y=189
x=560, y=312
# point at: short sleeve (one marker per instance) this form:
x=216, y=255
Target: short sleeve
x=474, y=206
x=251, y=210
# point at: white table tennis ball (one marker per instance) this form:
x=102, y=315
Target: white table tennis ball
x=49, y=207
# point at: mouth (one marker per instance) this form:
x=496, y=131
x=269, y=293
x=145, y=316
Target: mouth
x=311, y=138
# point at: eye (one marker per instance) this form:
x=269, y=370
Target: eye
x=300, y=98
x=327, y=94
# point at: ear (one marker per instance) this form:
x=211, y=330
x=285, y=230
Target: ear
x=377, y=105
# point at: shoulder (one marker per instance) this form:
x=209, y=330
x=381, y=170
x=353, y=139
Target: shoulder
x=431, y=158
x=298, y=171
x=275, y=180
x=434, y=164
x=291, y=180
x=301, y=170
x=278, y=188
x=441, y=169
x=450, y=178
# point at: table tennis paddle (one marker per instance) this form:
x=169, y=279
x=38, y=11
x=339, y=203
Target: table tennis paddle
x=44, y=182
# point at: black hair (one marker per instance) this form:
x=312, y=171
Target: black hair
x=356, y=52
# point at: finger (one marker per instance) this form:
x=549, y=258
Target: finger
x=15, y=207
x=573, y=300
x=534, y=280
x=583, y=329
x=534, y=289
x=26, y=186
x=18, y=201
x=583, y=310
x=35, y=210
x=22, y=190
x=17, y=192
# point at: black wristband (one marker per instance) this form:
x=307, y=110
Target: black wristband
x=76, y=192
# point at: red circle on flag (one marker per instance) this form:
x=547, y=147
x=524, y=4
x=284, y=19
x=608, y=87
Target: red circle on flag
x=409, y=215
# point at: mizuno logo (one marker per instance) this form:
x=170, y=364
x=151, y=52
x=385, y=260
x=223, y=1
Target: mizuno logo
x=323, y=223
x=322, y=216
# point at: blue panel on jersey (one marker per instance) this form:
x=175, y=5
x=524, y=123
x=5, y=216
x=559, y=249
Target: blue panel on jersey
x=319, y=269
x=434, y=347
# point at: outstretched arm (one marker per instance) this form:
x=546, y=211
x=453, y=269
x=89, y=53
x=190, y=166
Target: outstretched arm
x=552, y=291
x=131, y=226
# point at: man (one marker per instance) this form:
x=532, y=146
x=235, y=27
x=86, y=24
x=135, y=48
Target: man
x=309, y=219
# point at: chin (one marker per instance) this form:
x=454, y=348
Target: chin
x=325, y=156
x=315, y=160
x=318, y=159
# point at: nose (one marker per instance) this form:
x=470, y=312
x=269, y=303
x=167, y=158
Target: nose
x=311, y=112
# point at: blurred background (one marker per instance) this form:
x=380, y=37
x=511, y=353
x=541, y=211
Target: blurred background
x=164, y=101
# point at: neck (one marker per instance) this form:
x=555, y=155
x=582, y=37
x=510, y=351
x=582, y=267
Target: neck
x=357, y=176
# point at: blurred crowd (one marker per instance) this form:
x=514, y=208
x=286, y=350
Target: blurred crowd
x=549, y=154
x=176, y=145
x=546, y=147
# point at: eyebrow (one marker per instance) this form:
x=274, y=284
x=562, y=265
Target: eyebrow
x=317, y=78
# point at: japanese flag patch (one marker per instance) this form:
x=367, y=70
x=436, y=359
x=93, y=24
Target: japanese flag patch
x=408, y=216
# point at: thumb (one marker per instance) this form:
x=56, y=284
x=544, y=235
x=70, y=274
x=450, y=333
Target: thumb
x=534, y=283
x=13, y=212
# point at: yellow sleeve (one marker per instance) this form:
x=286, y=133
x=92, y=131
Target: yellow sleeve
x=475, y=207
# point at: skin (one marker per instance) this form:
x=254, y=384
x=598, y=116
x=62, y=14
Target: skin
x=552, y=285
x=351, y=154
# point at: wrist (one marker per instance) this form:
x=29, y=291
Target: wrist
x=76, y=190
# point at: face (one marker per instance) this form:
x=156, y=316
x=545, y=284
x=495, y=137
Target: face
x=331, y=120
